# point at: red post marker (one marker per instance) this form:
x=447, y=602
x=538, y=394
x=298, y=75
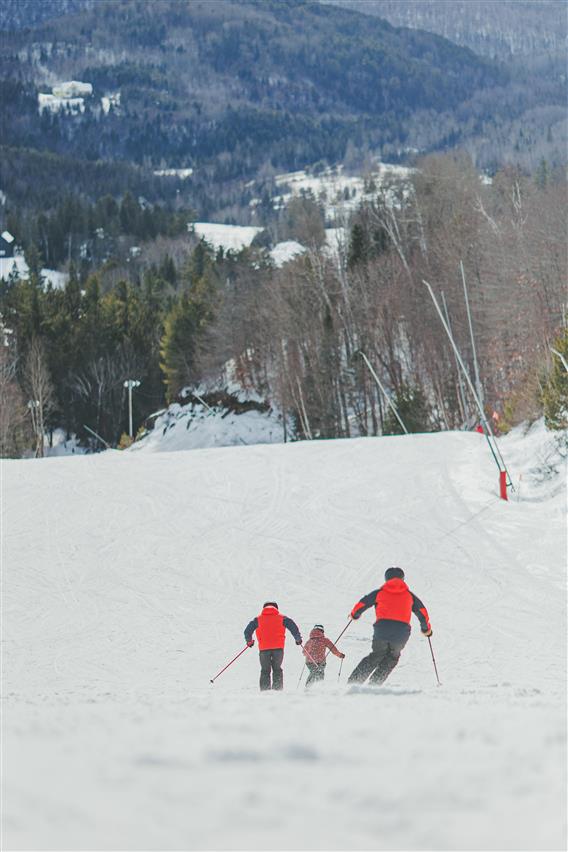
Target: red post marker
x=503, y=485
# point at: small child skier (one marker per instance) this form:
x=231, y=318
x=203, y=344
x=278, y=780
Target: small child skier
x=314, y=652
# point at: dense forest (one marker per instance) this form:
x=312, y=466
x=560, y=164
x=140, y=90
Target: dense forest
x=531, y=29
x=295, y=333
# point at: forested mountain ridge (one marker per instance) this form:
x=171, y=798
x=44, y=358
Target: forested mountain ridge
x=231, y=86
x=503, y=30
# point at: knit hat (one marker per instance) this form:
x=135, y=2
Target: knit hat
x=318, y=627
x=392, y=573
x=270, y=603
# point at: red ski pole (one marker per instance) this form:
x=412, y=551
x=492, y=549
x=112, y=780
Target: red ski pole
x=307, y=653
x=231, y=663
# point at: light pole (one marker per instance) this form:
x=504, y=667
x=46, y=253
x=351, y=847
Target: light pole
x=130, y=383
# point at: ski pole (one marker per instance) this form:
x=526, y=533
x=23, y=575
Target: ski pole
x=339, y=637
x=434, y=661
x=307, y=653
x=340, y=667
x=229, y=664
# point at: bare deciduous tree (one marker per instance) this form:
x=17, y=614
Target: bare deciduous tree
x=39, y=388
x=14, y=422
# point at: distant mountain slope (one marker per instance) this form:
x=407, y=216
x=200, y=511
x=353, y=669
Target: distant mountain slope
x=23, y=14
x=234, y=88
x=504, y=29
x=229, y=84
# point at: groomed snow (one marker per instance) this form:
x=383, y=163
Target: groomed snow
x=128, y=579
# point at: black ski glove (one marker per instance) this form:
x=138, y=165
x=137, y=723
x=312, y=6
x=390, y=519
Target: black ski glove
x=299, y=642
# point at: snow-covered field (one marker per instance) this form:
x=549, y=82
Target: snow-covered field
x=228, y=237
x=128, y=579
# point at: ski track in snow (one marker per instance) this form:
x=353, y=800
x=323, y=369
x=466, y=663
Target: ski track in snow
x=128, y=580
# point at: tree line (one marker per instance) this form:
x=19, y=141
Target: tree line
x=297, y=334
x=79, y=230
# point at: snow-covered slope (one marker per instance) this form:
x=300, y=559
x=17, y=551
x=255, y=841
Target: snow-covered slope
x=128, y=579
x=195, y=427
x=340, y=193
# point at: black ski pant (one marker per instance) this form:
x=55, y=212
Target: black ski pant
x=380, y=662
x=316, y=672
x=271, y=664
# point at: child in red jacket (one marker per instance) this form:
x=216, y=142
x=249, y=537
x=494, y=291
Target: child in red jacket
x=315, y=653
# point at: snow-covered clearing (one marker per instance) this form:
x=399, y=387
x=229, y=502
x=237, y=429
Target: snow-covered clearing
x=286, y=251
x=17, y=266
x=128, y=579
x=182, y=174
x=229, y=237
x=339, y=192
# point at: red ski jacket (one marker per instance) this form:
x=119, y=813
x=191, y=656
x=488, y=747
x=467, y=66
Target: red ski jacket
x=271, y=628
x=394, y=602
x=316, y=646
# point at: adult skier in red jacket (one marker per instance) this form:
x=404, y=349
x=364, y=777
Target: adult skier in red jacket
x=271, y=629
x=394, y=603
x=315, y=652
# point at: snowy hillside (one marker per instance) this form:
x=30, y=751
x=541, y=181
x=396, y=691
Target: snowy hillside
x=228, y=237
x=196, y=427
x=128, y=579
x=339, y=192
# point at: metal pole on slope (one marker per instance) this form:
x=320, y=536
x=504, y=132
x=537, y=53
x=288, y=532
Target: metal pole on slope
x=92, y=431
x=460, y=382
x=383, y=391
x=487, y=431
x=340, y=667
x=475, y=365
x=500, y=462
x=561, y=356
x=434, y=661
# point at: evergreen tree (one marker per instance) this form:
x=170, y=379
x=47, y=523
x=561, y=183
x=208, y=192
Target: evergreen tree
x=555, y=392
x=358, y=245
x=413, y=409
x=186, y=327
